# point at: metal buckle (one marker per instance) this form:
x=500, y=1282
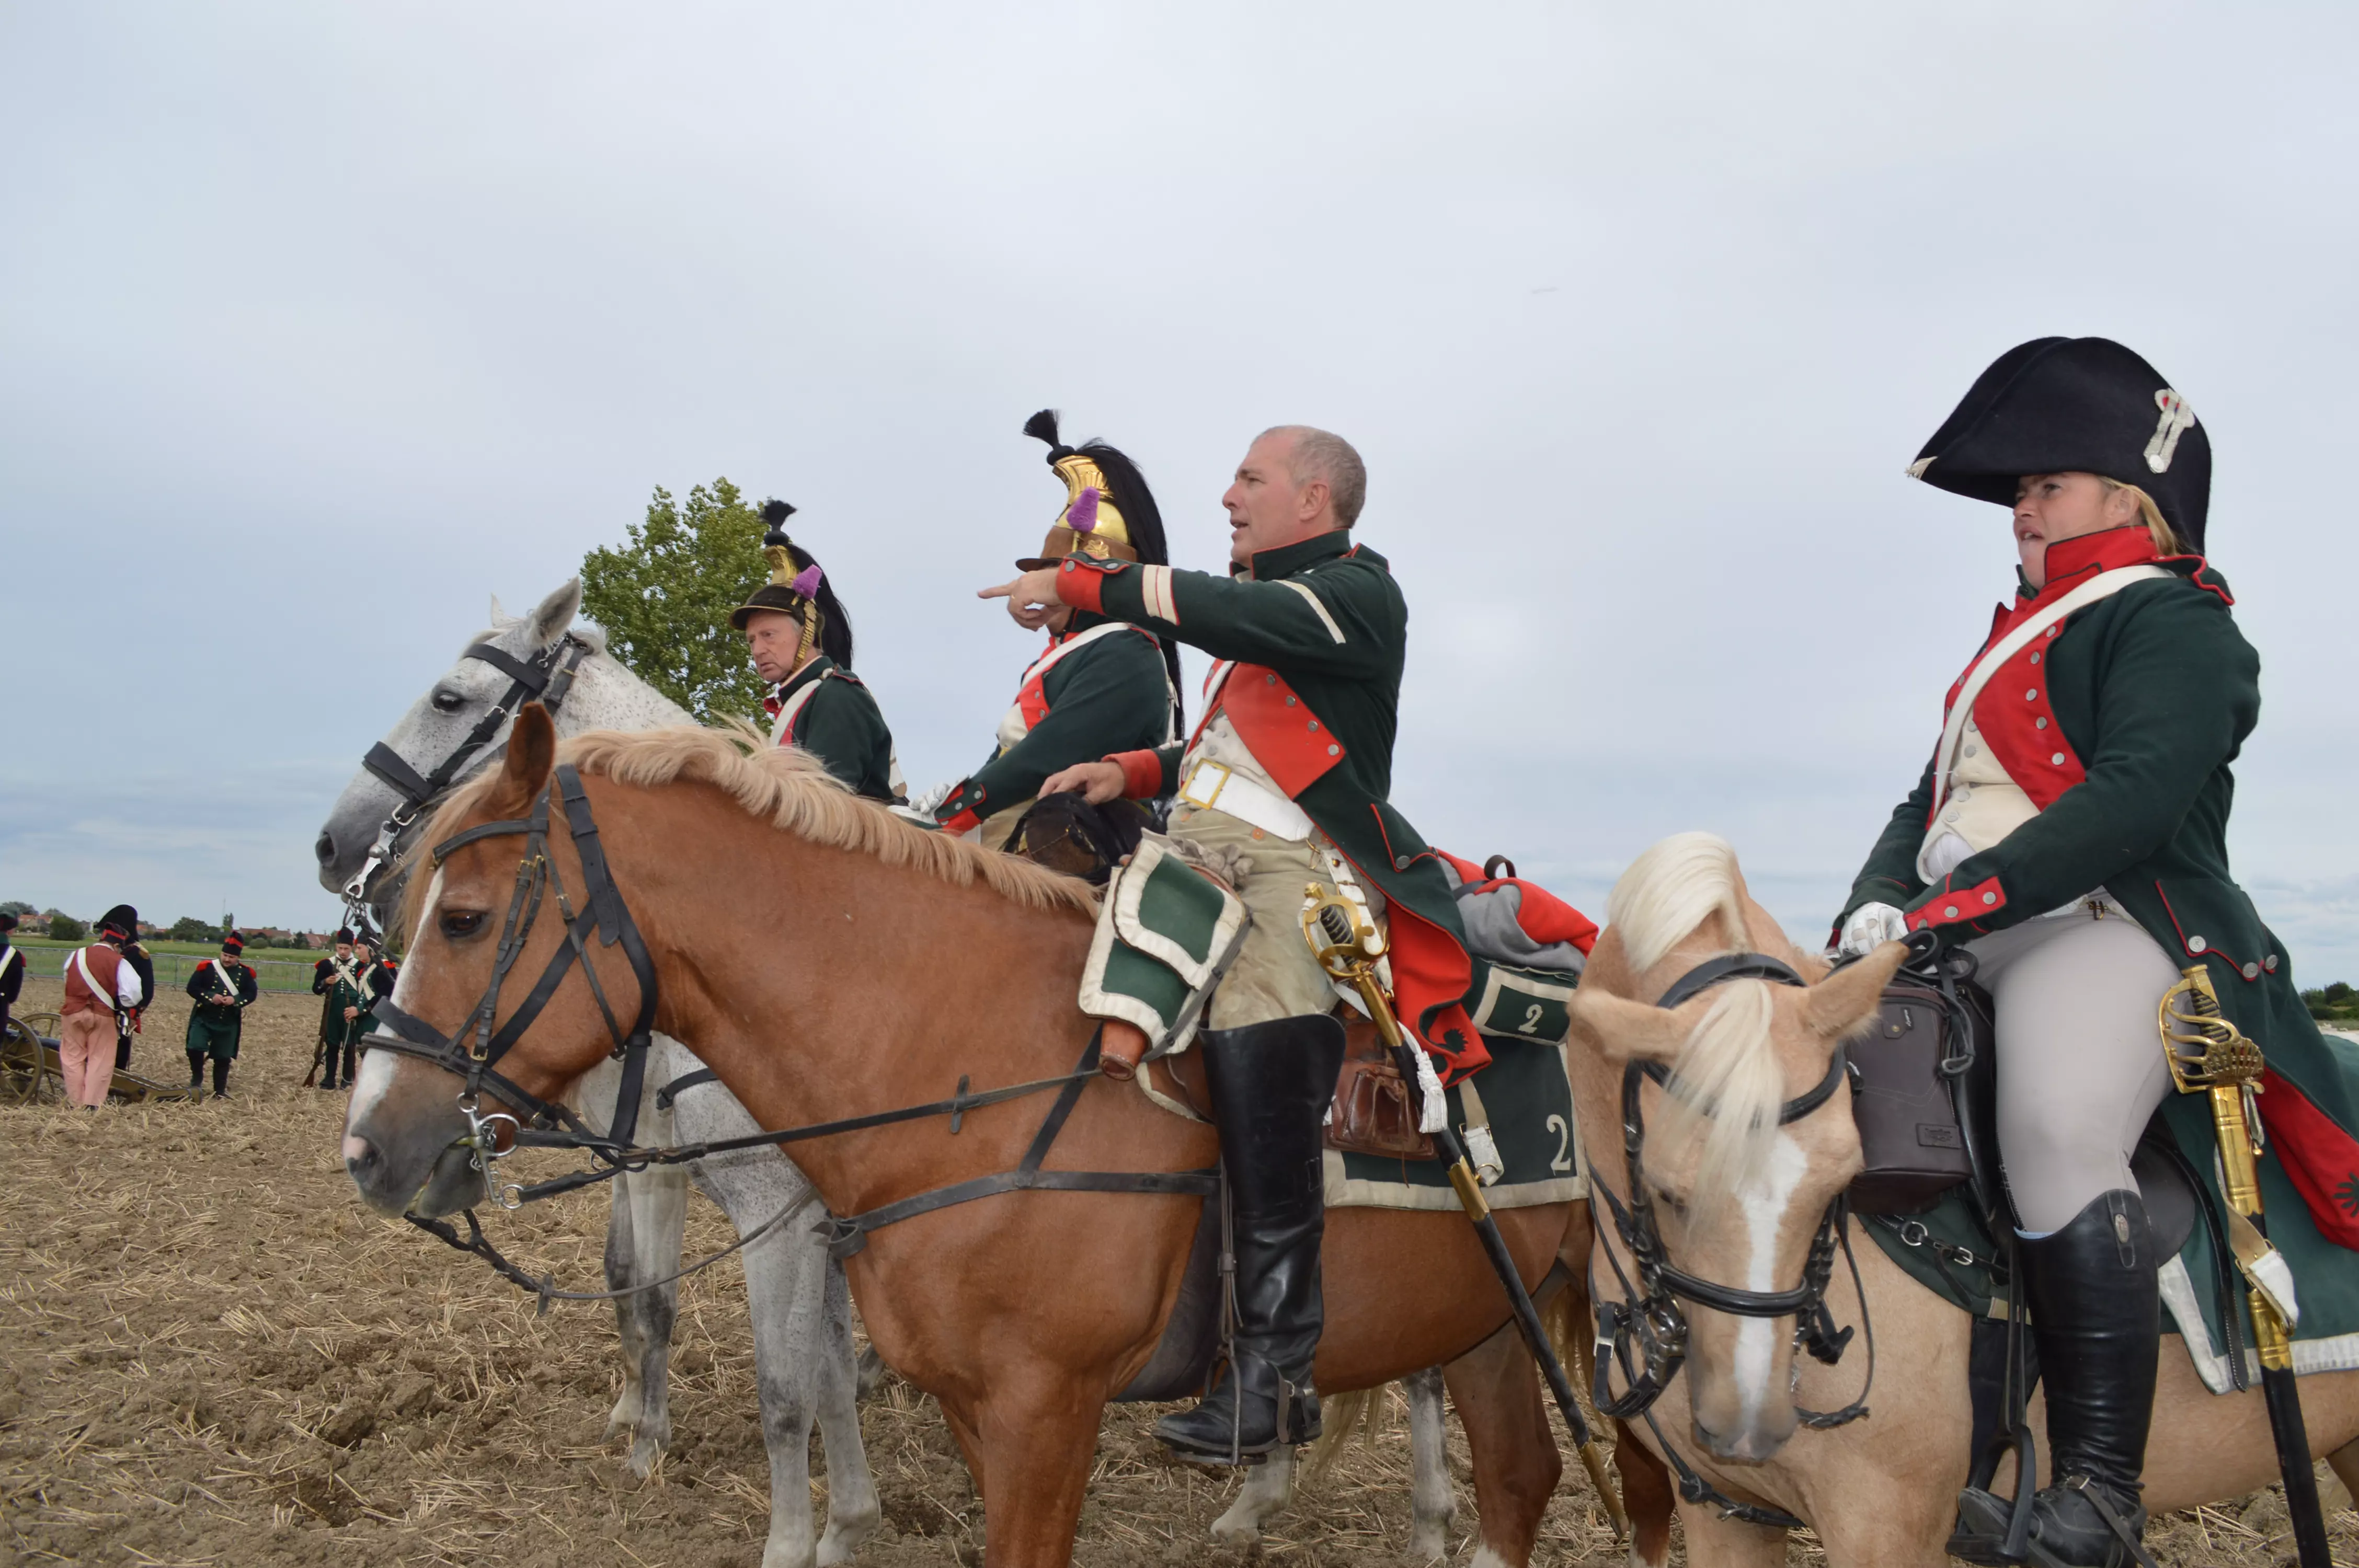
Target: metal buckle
x=1188, y=790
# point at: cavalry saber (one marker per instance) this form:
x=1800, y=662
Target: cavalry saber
x=2208, y=1054
x=1333, y=927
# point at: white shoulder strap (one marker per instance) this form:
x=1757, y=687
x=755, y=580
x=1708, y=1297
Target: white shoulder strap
x=81, y=964
x=227, y=984
x=782, y=734
x=15, y=954
x=2105, y=585
x=1047, y=661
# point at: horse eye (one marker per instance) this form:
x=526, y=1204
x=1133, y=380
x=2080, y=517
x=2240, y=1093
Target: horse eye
x=447, y=701
x=460, y=923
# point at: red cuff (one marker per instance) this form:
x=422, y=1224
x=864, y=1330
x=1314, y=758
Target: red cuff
x=1954, y=906
x=1142, y=773
x=1080, y=586
x=960, y=823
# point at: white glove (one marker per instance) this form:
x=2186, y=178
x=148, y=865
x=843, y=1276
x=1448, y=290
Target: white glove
x=923, y=804
x=1869, y=925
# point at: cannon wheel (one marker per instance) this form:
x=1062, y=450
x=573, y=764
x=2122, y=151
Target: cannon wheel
x=29, y=1064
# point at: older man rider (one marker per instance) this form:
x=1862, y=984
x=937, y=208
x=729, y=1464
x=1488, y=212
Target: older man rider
x=1291, y=764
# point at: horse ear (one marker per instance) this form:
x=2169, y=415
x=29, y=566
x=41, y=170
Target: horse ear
x=499, y=611
x=531, y=754
x=554, y=614
x=1850, y=997
x=1619, y=1028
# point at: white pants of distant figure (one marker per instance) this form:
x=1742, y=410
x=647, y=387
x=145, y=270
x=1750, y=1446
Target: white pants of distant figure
x=2080, y=1059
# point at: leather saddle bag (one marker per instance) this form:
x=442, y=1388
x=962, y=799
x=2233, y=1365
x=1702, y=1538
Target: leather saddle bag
x=1904, y=1095
x=1376, y=1112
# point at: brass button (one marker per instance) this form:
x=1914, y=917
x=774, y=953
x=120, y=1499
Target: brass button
x=2196, y=944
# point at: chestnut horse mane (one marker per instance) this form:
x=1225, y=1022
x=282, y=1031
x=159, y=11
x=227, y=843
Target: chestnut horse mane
x=792, y=790
x=1728, y=1070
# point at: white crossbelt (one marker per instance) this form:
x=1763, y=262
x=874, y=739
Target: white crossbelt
x=1217, y=787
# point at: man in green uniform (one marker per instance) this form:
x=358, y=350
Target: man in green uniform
x=1102, y=685
x=1291, y=764
x=221, y=990
x=341, y=982
x=800, y=641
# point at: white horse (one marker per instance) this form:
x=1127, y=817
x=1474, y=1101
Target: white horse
x=803, y=1354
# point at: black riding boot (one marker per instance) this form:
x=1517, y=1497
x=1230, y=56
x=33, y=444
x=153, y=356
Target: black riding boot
x=221, y=1077
x=196, y=1070
x=2096, y=1314
x=1270, y=1085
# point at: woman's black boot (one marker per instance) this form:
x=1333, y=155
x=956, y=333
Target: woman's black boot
x=1270, y=1085
x=2096, y=1314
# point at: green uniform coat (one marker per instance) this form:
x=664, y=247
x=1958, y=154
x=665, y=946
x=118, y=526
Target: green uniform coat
x=339, y=994
x=1110, y=695
x=2154, y=690
x=1327, y=616
x=216, y=1022
x=842, y=726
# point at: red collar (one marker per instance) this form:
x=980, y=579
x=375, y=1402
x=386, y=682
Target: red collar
x=2071, y=562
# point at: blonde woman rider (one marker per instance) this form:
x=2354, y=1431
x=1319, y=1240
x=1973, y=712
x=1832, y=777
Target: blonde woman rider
x=2070, y=831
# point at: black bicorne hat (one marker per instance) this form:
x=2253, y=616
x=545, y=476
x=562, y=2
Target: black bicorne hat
x=2075, y=405
x=231, y=943
x=7, y=923
x=798, y=584
x=122, y=921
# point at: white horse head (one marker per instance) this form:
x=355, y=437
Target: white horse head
x=604, y=696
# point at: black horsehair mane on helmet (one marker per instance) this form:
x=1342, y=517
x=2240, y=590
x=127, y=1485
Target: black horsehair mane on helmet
x=1135, y=502
x=834, y=625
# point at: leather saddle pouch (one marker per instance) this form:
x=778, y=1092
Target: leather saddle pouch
x=1376, y=1112
x=1912, y=1143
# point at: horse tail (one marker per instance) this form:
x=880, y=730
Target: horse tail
x=1344, y=1419
x=1561, y=1316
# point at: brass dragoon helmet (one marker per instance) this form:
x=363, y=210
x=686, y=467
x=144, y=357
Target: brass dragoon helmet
x=798, y=587
x=1108, y=514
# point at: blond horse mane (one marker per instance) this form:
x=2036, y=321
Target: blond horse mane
x=1728, y=1074
x=788, y=788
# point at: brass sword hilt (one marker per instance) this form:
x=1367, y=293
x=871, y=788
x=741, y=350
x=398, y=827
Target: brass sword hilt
x=2208, y=1054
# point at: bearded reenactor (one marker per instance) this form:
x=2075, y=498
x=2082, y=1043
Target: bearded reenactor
x=1102, y=685
x=341, y=982
x=221, y=990
x=800, y=640
x=12, y=968
x=1288, y=770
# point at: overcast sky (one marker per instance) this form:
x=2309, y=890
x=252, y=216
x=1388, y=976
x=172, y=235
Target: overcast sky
x=321, y=324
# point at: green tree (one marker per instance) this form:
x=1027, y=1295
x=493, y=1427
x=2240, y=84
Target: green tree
x=189, y=928
x=66, y=928
x=664, y=598
x=16, y=906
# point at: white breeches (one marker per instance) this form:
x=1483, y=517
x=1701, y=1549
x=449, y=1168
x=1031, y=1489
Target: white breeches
x=2080, y=1059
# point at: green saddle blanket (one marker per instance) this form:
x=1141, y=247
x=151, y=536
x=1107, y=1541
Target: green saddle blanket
x=1526, y=1097
x=1951, y=1253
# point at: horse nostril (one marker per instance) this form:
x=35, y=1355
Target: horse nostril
x=359, y=1154
x=325, y=848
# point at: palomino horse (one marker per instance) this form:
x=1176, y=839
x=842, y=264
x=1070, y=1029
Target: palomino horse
x=1744, y=1162
x=832, y=961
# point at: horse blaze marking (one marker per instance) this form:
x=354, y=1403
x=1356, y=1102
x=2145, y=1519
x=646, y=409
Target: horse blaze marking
x=2176, y=421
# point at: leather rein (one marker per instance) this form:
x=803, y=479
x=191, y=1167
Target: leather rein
x=547, y=677
x=473, y=1054
x=1646, y=1333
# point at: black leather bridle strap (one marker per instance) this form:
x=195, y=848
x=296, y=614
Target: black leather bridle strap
x=668, y=1095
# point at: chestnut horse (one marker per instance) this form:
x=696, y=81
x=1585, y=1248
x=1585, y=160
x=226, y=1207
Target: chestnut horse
x=899, y=964
x=1739, y=1196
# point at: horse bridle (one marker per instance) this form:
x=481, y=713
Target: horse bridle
x=473, y=1053
x=547, y=677
x=1646, y=1335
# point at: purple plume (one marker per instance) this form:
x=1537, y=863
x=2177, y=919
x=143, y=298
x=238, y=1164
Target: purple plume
x=1081, y=517
x=807, y=581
